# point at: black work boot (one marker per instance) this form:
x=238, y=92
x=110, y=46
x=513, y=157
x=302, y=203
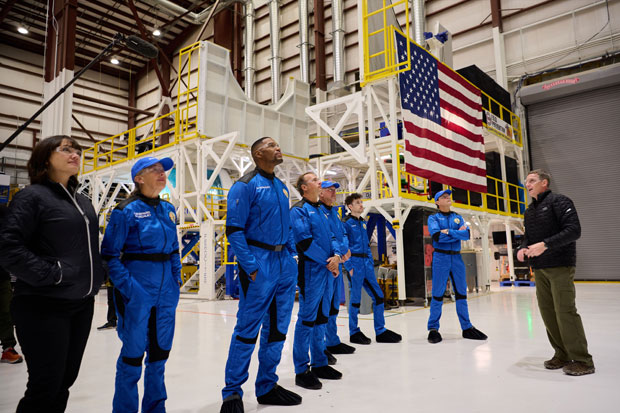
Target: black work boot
x=473, y=334
x=279, y=396
x=232, y=404
x=341, y=348
x=359, y=338
x=308, y=380
x=389, y=336
x=327, y=372
x=331, y=360
x=433, y=336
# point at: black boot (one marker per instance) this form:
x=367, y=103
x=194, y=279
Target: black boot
x=433, y=336
x=359, y=338
x=308, y=380
x=341, y=348
x=279, y=396
x=232, y=404
x=326, y=372
x=473, y=334
x=331, y=360
x=389, y=336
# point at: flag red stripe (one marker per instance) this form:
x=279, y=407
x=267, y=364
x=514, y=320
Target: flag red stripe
x=443, y=141
x=461, y=131
x=444, y=160
x=448, y=180
x=460, y=113
x=455, y=93
x=458, y=78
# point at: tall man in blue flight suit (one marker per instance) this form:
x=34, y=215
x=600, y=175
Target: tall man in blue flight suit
x=327, y=198
x=319, y=256
x=362, y=274
x=259, y=231
x=447, y=230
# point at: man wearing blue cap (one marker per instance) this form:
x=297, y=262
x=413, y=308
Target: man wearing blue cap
x=319, y=256
x=258, y=227
x=362, y=275
x=327, y=198
x=142, y=251
x=447, y=230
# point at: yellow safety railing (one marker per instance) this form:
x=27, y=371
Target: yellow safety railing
x=514, y=134
x=502, y=198
x=125, y=146
x=187, y=90
x=390, y=66
x=177, y=126
x=215, y=202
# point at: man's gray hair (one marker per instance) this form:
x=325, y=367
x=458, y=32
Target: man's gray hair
x=542, y=175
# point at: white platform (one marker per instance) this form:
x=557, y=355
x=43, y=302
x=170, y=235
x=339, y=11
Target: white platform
x=504, y=374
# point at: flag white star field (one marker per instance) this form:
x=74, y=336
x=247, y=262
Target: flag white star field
x=442, y=119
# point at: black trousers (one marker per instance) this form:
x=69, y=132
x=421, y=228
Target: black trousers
x=7, y=338
x=52, y=334
x=111, y=309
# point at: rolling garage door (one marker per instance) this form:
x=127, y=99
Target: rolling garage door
x=576, y=137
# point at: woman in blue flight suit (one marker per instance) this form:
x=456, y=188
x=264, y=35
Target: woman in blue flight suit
x=142, y=250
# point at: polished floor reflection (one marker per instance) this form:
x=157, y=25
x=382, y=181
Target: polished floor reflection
x=503, y=374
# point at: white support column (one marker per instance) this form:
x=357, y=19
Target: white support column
x=511, y=262
x=502, y=160
x=56, y=120
x=206, y=266
x=485, y=276
x=500, y=58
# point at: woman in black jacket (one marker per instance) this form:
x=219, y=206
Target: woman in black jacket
x=50, y=243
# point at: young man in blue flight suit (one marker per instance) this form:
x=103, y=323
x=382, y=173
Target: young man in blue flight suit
x=447, y=230
x=362, y=274
x=258, y=228
x=327, y=198
x=319, y=257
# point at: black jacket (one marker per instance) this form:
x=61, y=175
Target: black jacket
x=50, y=242
x=552, y=218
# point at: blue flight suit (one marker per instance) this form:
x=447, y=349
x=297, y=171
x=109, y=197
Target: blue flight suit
x=258, y=228
x=315, y=243
x=331, y=331
x=362, y=264
x=142, y=250
x=447, y=262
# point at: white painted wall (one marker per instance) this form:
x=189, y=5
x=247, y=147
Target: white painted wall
x=21, y=95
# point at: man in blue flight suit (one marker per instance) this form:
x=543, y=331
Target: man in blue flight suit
x=258, y=228
x=362, y=274
x=447, y=230
x=327, y=198
x=319, y=256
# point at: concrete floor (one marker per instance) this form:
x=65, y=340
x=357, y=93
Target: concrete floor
x=503, y=374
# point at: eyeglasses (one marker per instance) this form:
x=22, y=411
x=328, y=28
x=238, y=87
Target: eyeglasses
x=69, y=150
x=157, y=168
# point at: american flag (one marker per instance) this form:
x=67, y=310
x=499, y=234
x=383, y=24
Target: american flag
x=442, y=116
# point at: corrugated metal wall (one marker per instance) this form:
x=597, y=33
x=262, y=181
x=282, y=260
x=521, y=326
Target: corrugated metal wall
x=577, y=139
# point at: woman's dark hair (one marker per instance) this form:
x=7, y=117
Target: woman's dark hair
x=39, y=160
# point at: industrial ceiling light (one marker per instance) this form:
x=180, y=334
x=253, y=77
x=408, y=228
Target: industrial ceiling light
x=114, y=61
x=156, y=32
x=22, y=30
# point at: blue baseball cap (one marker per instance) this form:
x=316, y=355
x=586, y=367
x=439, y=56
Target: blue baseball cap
x=440, y=193
x=329, y=184
x=142, y=163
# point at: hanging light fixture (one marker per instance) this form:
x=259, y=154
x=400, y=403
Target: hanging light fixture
x=156, y=32
x=22, y=30
x=114, y=61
